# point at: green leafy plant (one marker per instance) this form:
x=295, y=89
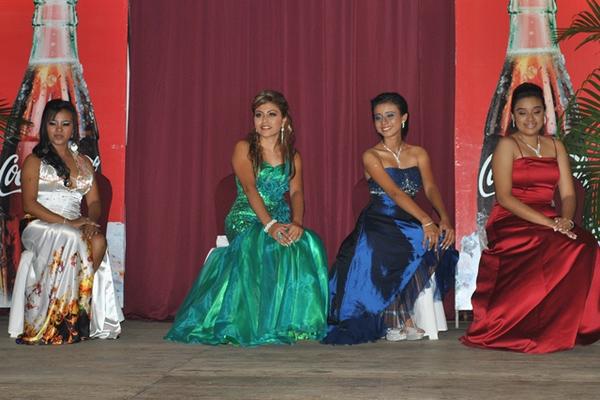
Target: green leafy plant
x=9, y=125
x=581, y=134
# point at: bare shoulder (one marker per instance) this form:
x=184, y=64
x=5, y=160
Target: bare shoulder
x=415, y=150
x=241, y=149
x=297, y=157
x=242, y=145
x=506, y=143
x=559, y=144
x=31, y=169
x=370, y=155
x=416, y=155
x=31, y=161
x=86, y=160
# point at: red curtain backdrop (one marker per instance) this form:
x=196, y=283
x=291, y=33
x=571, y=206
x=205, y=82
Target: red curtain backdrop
x=196, y=65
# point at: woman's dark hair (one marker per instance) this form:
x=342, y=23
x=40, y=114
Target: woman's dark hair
x=397, y=100
x=44, y=150
x=286, y=146
x=522, y=91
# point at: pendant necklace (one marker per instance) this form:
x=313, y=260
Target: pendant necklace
x=537, y=149
x=396, y=155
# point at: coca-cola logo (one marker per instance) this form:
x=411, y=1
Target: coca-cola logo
x=485, y=180
x=10, y=174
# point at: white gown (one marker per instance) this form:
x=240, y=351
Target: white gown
x=428, y=312
x=57, y=297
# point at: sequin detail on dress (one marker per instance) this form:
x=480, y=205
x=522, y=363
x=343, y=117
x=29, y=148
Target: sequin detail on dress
x=381, y=264
x=409, y=180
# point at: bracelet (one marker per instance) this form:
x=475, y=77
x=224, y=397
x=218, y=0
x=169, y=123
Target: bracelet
x=269, y=225
x=427, y=224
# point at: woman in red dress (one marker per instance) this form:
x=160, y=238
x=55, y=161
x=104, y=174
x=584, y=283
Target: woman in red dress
x=538, y=287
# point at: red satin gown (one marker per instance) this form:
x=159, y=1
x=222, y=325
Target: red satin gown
x=537, y=290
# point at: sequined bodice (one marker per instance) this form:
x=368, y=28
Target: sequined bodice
x=381, y=204
x=407, y=179
x=272, y=183
x=55, y=196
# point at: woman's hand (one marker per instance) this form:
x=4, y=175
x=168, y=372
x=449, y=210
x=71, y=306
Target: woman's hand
x=88, y=227
x=431, y=235
x=279, y=232
x=79, y=222
x=564, y=226
x=294, y=231
x=90, y=230
x=447, y=231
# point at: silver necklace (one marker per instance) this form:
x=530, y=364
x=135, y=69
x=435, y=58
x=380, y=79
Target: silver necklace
x=396, y=155
x=537, y=149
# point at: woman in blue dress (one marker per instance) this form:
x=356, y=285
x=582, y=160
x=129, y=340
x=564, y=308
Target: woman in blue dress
x=395, y=248
x=270, y=284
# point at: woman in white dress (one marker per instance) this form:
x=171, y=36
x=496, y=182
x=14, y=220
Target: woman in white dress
x=64, y=291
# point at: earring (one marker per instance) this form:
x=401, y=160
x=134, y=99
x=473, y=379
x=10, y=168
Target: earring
x=403, y=124
x=281, y=134
x=513, y=122
x=73, y=146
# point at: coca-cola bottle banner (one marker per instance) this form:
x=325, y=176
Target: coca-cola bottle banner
x=499, y=45
x=76, y=52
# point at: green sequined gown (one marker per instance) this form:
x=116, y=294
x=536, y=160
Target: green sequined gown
x=256, y=291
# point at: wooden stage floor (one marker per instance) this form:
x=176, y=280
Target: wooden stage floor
x=140, y=365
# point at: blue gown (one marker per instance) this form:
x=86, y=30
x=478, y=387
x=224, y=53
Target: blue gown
x=380, y=263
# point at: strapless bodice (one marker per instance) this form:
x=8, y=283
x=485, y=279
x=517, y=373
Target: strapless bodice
x=272, y=182
x=407, y=179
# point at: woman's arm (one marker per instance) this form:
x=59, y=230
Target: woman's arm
x=568, y=199
x=433, y=195
x=295, y=229
x=92, y=197
x=374, y=168
x=242, y=167
x=502, y=166
x=565, y=183
x=94, y=205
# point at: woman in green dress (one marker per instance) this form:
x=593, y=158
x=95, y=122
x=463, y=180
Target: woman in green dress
x=270, y=284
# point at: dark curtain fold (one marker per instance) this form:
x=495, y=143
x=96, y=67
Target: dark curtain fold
x=195, y=66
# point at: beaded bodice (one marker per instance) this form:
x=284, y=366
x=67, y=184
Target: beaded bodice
x=272, y=182
x=407, y=179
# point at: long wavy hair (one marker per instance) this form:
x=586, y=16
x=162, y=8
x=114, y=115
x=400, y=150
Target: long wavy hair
x=288, y=151
x=44, y=150
x=395, y=99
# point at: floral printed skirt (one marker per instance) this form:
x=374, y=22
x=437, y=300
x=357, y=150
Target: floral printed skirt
x=58, y=298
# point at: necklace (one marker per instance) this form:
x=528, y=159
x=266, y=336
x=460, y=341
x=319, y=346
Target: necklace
x=537, y=149
x=395, y=154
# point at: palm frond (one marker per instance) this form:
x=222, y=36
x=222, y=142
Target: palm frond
x=581, y=137
x=585, y=22
x=9, y=123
